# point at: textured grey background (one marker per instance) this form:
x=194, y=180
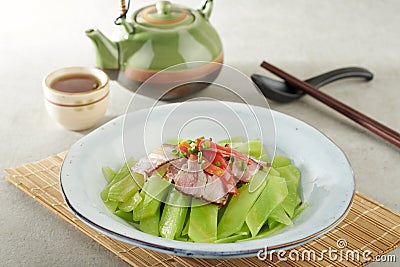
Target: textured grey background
x=304, y=37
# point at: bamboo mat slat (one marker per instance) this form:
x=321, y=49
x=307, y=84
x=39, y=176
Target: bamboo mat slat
x=368, y=226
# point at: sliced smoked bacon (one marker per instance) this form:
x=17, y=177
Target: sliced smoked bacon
x=193, y=181
x=192, y=178
x=242, y=171
x=159, y=157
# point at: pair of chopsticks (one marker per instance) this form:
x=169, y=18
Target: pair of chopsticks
x=365, y=121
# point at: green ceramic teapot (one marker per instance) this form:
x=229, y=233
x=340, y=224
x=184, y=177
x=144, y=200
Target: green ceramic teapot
x=157, y=37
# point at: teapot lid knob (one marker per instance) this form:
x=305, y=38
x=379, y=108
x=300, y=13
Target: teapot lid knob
x=163, y=7
x=164, y=14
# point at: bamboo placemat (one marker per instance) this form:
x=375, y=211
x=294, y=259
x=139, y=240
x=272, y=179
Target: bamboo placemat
x=369, y=226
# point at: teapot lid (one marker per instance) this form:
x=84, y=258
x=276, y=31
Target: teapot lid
x=164, y=14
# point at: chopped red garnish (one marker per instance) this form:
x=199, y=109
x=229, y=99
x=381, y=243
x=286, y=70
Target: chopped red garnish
x=221, y=160
x=198, y=141
x=183, y=147
x=214, y=170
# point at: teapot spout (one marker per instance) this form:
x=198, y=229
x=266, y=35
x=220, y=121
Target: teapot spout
x=106, y=50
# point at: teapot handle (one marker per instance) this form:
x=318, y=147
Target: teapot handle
x=121, y=20
x=206, y=9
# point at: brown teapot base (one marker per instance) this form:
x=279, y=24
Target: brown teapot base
x=171, y=85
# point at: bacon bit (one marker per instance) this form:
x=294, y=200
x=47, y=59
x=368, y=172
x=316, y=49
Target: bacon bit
x=193, y=157
x=232, y=189
x=226, y=177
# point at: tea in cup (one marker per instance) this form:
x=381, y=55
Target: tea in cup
x=76, y=97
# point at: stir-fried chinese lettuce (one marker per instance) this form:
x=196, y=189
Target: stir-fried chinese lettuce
x=250, y=214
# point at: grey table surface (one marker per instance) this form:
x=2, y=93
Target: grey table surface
x=304, y=37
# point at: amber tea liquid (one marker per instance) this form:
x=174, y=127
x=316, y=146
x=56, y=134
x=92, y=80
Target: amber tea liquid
x=76, y=83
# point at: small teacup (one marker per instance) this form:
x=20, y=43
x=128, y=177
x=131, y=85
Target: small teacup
x=76, y=97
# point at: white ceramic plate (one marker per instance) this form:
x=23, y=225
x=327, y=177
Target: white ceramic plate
x=327, y=178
